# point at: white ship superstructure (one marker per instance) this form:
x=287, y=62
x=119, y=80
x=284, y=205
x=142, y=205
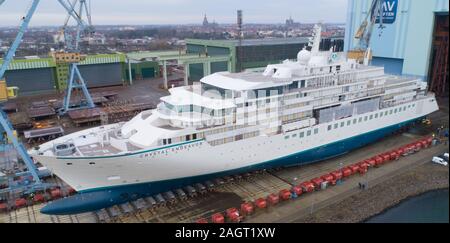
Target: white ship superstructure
x=299, y=111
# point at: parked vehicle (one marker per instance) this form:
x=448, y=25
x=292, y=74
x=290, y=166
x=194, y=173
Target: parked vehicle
x=439, y=160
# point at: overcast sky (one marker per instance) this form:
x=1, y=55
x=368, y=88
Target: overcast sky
x=149, y=12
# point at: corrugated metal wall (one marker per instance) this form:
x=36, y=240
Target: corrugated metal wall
x=32, y=81
x=100, y=75
x=195, y=71
x=190, y=48
x=260, y=56
x=219, y=67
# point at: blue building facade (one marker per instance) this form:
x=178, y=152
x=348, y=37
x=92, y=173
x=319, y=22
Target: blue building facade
x=404, y=46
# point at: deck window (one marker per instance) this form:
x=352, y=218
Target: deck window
x=336, y=125
x=194, y=136
x=365, y=118
x=308, y=133
x=360, y=119
x=329, y=127
x=302, y=134
x=286, y=137
x=376, y=115
x=316, y=130
x=348, y=122
x=390, y=112
x=342, y=124
x=371, y=117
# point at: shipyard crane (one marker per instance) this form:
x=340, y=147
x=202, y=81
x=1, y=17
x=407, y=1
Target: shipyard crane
x=71, y=56
x=363, y=53
x=6, y=127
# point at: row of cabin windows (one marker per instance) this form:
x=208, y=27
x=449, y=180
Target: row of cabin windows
x=338, y=68
x=303, y=134
x=366, y=118
x=260, y=103
x=188, y=138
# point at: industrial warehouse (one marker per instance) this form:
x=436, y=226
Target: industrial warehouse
x=306, y=125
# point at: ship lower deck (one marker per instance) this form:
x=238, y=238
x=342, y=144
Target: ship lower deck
x=94, y=199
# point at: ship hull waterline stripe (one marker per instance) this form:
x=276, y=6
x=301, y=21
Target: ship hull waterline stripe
x=95, y=199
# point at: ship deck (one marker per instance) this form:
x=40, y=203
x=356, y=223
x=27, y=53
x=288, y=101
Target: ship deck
x=96, y=149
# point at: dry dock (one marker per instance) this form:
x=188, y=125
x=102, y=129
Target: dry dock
x=340, y=203
x=233, y=193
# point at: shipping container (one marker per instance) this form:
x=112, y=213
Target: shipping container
x=378, y=160
x=285, y=194
x=233, y=215
x=38, y=198
x=217, y=218
x=261, y=203
x=201, y=221
x=371, y=162
x=3, y=207
x=337, y=175
x=394, y=155
x=411, y=148
x=56, y=193
x=297, y=190
x=363, y=166
x=317, y=182
x=346, y=172
x=307, y=186
x=418, y=146
x=273, y=199
x=20, y=202
x=400, y=151
x=247, y=208
x=386, y=157
x=424, y=143
x=327, y=177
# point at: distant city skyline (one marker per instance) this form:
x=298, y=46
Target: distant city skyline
x=175, y=12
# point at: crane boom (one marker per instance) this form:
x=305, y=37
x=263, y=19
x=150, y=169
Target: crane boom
x=4, y=123
x=76, y=9
x=23, y=27
x=362, y=52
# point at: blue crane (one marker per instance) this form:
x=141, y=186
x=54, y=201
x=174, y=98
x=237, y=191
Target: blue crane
x=71, y=54
x=5, y=124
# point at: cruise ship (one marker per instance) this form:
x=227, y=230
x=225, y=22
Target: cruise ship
x=299, y=111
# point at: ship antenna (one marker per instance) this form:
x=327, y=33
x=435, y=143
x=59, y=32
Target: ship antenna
x=314, y=41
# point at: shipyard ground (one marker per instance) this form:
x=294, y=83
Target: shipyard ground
x=342, y=203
